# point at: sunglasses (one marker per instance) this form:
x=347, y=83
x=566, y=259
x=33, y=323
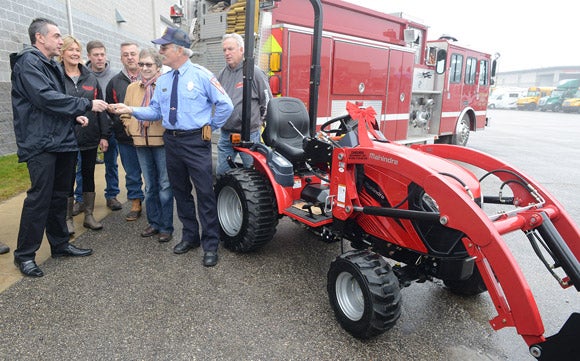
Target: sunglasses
x=149, y=65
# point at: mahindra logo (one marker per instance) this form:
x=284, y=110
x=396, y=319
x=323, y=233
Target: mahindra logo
x=382, y=158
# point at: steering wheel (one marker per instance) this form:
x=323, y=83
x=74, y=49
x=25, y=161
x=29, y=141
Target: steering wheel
x=346, y=125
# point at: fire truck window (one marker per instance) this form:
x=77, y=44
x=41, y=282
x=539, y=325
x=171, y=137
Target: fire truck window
x=455, y=68
x=470, y=69
x=483, y=72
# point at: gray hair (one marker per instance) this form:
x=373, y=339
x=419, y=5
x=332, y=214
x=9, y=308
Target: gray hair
x=39, y=25
x=237, y=37
x=188, y=52
x=128, y=43
x=154, y=54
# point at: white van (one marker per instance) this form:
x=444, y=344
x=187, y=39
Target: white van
x=504, y=100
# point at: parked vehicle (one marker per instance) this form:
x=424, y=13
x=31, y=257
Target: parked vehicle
x=565, y=89
x=388, y=64
x=532, y=97
x=572, y=105
x=505, y=98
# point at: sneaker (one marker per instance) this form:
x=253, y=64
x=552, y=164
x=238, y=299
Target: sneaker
x=114, y=204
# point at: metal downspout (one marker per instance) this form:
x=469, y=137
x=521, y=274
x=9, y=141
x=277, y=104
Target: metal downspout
x=69, y=17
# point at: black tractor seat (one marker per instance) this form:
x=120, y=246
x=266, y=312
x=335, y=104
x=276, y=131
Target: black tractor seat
x=279, y=134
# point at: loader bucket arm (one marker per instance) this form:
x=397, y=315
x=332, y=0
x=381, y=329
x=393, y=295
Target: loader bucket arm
x=498, y=267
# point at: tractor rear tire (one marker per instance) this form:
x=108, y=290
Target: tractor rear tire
x=247, y=210
x=471, y=286
x=364, y=293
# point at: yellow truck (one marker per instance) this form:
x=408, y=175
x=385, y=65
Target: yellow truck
x=532, y=97
x=572, y=105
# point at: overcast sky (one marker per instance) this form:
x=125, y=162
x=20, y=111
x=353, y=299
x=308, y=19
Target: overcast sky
x=526, y=35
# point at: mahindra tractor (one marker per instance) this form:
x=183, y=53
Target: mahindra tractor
x=404, y=214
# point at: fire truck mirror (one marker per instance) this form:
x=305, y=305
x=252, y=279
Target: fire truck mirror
x=441, y=61
x=431, y=55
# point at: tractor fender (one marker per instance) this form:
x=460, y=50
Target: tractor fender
x=283, y=194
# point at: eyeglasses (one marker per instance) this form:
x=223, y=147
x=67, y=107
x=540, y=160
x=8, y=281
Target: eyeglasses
x=149, y=65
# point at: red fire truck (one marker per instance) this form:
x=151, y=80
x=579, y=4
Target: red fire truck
x=425, y=91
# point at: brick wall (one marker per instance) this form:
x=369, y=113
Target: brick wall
x=90, y=20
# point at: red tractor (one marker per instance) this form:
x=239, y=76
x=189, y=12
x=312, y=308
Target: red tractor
x=422, y=207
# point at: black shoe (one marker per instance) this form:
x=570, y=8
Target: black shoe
x=4, y=248
x=184, y=246
x=210, y=259
x=68, y=250
x=29, y=268
x=165, y=237
x=149, y=231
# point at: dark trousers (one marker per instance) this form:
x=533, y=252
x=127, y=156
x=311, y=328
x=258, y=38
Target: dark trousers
x=88, y=160
x=51, y=178
x=189, y=159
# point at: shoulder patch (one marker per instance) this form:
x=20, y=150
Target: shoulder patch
x=217, y=84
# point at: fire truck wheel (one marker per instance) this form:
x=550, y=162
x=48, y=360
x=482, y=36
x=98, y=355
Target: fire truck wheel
x=364, y=293
x=247, y=210
x=461, y=135
x=472, y=286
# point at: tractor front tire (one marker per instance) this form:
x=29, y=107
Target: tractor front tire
x=247, y=210
x=364, y=293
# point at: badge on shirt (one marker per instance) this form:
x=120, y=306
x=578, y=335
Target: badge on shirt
x=190, y=86
x=239, y=85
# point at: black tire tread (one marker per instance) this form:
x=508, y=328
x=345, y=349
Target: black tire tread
x=261, y=216
x=383, y=286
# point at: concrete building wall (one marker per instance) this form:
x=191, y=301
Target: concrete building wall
x=537, y=77
x=144, y=20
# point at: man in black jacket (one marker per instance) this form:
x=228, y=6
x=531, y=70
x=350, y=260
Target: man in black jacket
x=43, y=125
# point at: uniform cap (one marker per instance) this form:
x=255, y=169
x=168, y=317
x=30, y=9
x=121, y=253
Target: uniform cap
x=173, y=36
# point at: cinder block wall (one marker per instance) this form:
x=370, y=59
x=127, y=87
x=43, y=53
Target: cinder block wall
x=90, y=20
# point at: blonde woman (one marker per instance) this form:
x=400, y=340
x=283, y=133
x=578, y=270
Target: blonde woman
x=148, y=140
x=81, y=82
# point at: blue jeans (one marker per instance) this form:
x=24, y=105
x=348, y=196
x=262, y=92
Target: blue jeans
x=158, y=192
x=111, y=169
x=130, y=162
x=79, y=180
x=226, y=150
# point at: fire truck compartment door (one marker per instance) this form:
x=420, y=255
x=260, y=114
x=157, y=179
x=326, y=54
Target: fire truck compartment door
x=359, y=70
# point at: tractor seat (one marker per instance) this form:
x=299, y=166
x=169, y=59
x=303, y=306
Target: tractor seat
x=280, y=135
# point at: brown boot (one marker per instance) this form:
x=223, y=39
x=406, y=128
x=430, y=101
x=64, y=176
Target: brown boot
x=135, y=210
x=70, y=224
x=78, y=208
x=90, y=221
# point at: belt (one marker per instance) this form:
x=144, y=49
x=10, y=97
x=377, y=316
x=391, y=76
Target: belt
x=182, y=132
